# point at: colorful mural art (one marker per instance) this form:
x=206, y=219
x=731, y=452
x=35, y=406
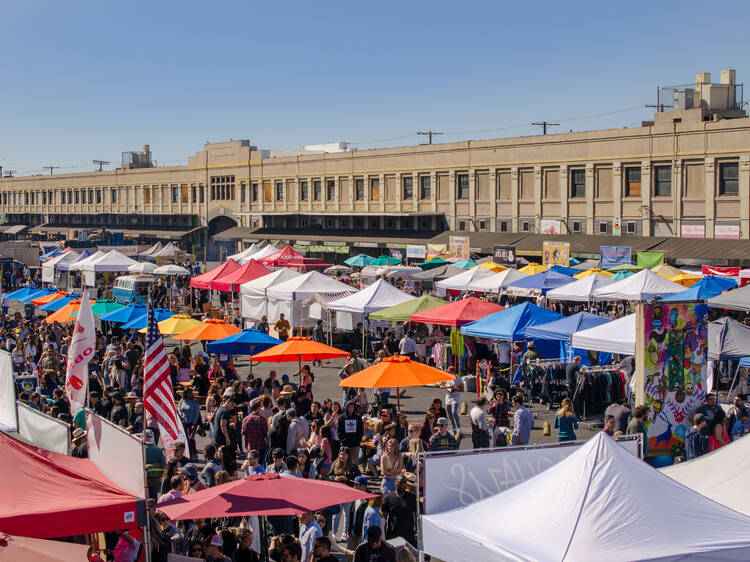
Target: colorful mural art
x=675, y=360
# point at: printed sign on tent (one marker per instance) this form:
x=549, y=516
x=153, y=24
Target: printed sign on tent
x=436, y=250
x=556, y=253
x=612, y=256
x=416, y=252
x=458, y=247
x=504, y=255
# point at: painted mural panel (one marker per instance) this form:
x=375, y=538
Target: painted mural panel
x=675, y=360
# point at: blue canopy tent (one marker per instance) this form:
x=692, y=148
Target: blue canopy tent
x=20, y=293
x=126, y=314
x=465, y=264
x=562, y=330
x=140, y=321
x=511, y=323
x=246, y=342
x=564, y=270
x=57, y=304
x=49, y=255
x=708, y=287
x=745, y=361
x=543, y=282
x=66, y=266
x=35, y=295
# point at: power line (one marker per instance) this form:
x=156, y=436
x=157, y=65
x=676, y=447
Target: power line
x=100, y=163
x=429, y=135
x=50, y=168
x=545, y=124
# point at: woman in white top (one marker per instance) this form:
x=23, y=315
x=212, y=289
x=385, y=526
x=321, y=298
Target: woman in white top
x=454, y=391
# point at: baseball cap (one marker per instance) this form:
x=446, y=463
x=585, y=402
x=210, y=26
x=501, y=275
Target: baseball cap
x=215, y=540
x=148, y=436
x=699, y=419
x=442, y=421
x=362, y=480
x=227, y=393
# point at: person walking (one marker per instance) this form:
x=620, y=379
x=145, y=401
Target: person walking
x=453, y=393
x=566, y=421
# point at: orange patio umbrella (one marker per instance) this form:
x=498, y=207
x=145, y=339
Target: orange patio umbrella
x=396, y=371
x=210, y=330
x=299, y=349
x=64, y=314
x=49, y=298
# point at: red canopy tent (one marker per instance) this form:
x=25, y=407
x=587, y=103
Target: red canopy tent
x=261, y=494
x=303, y=265
x=280, y=258
x=46, y=495
x=457, y=313
x=40, y=550
x=231, y=281
x=204, y=281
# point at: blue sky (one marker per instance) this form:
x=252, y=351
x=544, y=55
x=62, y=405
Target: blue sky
x=88, y=80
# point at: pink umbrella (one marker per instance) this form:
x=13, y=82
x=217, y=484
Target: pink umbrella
x=261, y=494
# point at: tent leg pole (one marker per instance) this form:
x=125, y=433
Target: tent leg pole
x=398, y=399
x=731, y=387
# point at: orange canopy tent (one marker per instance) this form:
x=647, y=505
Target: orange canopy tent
x=49, y=298
x=396, y=371
x=64, y=314
x=299, y=349
x=210, y=330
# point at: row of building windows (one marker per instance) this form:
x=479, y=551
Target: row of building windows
x=222, y=188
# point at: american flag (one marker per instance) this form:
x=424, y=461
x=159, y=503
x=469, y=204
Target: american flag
x=158, y=396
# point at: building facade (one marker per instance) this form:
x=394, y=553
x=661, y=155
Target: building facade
x=686, y=174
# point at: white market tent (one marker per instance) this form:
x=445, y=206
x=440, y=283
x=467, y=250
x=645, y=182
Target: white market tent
x=617, y=336
x=461, y=281
x=109, y=261
x=244, y=254
x=253, y=302
x=287, y=297
x=720, y=475
x=606, y=505
x=581, y=290
x=643, y=286
x=168, y=251
x=152, y=250
x=377, y=296
x=262, y=253
x=48, y=267
x=77, y=266
x=495, y=282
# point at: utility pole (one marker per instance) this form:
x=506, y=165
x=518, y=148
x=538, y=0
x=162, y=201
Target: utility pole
x=544, y=125
x=659, y=106
x=9, y=173
x=100, y=163
x=50, y=168
x=429, y=135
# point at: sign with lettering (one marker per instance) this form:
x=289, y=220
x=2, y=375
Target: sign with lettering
x=459, y=479
x=612, y=256
x=504, y=255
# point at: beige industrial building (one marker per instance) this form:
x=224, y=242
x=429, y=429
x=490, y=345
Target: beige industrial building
x=685, y=174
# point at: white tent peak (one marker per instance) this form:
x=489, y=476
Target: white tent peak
x=617, y=336
x=245, y=255
x=607, y=505
x=306, y=285
x=580, y=290
x=461, y=281
x=644, y=285
x=377, y=296
x=493, y=283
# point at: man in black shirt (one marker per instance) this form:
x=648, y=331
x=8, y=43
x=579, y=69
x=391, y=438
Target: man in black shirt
x=571, y=373
x=222, y=431
x=400, y=510
x=119, y=414
x=322, y=550
x=374, y=549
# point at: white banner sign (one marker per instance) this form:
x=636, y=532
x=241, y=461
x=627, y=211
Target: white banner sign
x=43, y=431
x=457, y=480
x=81, y=351
x=8, y=417
x=116, y=453
x=416, y=252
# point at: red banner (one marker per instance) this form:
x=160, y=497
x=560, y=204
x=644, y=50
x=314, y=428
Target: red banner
x=721, y=271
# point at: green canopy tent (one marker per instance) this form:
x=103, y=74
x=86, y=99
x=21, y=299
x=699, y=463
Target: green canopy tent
x=402, y=311
x=360, y=260
x=385, y=260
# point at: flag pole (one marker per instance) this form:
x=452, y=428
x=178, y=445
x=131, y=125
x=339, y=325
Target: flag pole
x=147, y=528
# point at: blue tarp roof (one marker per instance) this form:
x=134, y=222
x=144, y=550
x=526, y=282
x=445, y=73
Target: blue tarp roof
x=564, y=270
x=545, y=281
x=510, y=324
x=39, y=293
x=243, y=343
x=563, y=328
x=706, y=288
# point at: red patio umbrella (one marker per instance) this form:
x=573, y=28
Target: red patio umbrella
x=458, y=313
x=261, y=494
